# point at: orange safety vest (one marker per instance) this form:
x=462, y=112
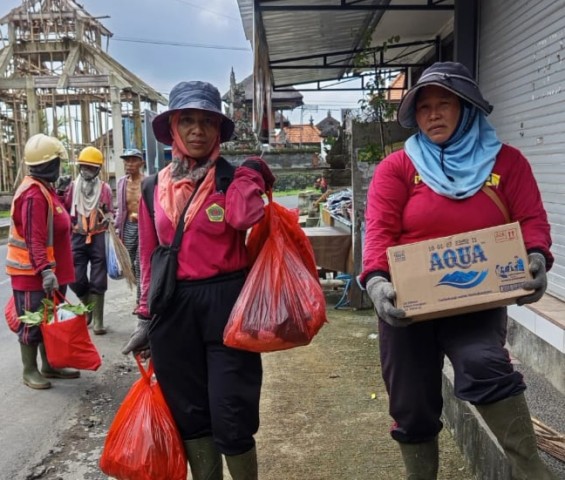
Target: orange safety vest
x=17, y=259
x=90, y=225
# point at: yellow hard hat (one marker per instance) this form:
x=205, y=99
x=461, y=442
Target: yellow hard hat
x=41, y=148
x=91, y=156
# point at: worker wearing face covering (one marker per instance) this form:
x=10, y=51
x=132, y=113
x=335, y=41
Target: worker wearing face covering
x=39, y=256
x=454, y=175
x=89, y=201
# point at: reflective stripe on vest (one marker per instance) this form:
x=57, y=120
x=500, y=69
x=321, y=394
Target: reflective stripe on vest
x=18, y=261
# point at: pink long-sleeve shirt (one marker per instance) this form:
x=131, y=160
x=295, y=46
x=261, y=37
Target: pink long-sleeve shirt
x=402, y=209
x=214, y=242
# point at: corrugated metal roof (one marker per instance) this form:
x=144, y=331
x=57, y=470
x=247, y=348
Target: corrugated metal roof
x=317, y=40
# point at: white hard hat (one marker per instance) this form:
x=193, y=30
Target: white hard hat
x=41, y=148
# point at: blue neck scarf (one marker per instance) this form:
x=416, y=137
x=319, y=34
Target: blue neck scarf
x=459, y=168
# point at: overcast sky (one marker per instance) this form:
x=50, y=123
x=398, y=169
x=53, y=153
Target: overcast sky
x=212, y=42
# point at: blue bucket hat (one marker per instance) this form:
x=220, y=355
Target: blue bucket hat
x=132, y=152
x=197, y=95
x=452, y=76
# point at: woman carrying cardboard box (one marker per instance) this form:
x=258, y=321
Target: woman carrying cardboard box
x=432, y=188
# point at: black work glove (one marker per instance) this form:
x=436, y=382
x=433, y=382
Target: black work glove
x=139, y=339
x=382, y=294
x=259, y=165
x=536, y=265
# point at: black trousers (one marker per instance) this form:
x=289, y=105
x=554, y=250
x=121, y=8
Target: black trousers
x=93, y=253
x=412, y=363
x=211, y=389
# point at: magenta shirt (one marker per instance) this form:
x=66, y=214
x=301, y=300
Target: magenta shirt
x=214, y=242
x=402, y=210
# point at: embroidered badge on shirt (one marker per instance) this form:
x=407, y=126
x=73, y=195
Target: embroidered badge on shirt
x=215, y=213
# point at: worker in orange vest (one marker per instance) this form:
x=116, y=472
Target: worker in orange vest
x=39, y=255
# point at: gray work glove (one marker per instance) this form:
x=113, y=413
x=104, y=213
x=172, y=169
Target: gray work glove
x=63, y=183
x=50, y=283
x=139, y=339
x=382, y=295
x=536, y=265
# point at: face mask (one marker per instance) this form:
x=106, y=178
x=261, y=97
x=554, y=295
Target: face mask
x=89, y=173
x=48, y=172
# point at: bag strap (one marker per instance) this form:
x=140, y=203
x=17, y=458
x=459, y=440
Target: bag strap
x=180, y=226
x=148, y=185
x=496, y=199
x=224, y=174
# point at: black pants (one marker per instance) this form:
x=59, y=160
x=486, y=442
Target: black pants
x=93, y=253
x=211, y=389
x=412, y=363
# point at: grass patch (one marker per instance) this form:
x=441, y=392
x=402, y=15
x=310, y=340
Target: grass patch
x=286, y=193
x=4, y=213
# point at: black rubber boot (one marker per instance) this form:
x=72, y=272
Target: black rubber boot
x=97, y=313
x=244, y=466
x=49, y=372
x=32, y=377
x=421, y=460
x=510, y=422
x=204, y=459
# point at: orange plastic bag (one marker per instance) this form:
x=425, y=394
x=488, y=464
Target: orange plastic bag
x=281, y=305
x=143, y=442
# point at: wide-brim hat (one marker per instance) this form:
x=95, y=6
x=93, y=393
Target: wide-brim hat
x=452, y=76
x=197, y=95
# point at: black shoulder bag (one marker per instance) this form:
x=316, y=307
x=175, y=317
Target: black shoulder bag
x=164, y=264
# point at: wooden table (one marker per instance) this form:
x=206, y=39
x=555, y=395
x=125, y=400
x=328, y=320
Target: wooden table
x=332, y=248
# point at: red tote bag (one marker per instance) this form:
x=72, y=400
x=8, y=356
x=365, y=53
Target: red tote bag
x=11, y=315
x=68, y=343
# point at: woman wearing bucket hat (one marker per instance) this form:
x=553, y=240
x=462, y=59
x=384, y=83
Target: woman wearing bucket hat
x=213, y=391
x=432, y=188
x=39, y=258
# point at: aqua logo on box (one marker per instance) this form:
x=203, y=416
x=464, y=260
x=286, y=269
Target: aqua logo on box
x=511, y=269
x=462, y=258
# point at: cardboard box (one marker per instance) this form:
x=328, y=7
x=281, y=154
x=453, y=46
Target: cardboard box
x=461, y=273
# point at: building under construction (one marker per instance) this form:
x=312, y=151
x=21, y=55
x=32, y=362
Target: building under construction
x=56, y=78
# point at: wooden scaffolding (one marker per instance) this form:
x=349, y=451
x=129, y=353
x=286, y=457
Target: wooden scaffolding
x=56, y=78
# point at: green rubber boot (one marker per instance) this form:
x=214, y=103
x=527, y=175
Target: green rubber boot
x=244, y=466
x=32, y=377
x=511, y=423
x=85, y=300
x=421, y=459
x=49, y=372
x=204, y=459
x=97, y=313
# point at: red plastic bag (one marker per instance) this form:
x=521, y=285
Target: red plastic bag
x=143, y=442
x=68, y=344
x=11, y=315
x=282, y=304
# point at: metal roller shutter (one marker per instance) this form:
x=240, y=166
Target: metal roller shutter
x=522, y=73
